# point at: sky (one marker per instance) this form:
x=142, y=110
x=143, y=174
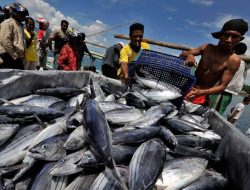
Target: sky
x=186, y=22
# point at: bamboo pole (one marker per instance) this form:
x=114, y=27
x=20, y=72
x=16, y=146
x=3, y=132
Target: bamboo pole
x=172, y=45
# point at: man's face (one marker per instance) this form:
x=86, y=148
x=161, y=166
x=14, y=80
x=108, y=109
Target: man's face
x=229, y=39
x=136, y=38
x=64, y=27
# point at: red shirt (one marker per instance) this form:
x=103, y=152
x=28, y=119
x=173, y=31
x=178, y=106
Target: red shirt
x=68, y=58
x=40, y=34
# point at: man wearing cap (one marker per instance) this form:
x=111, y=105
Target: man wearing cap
x=12, y=41
x=218, y=63
x=129, y=51
x=110, y=63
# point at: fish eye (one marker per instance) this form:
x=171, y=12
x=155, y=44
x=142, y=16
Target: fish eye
x=61, y=161
x=44, y=146
x=88, y=156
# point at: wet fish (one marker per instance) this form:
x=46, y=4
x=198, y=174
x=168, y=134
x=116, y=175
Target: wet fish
x=121, y=155
x=59, y=183
x=77, y=139
x=133, y=100
x=41, y=101
x=164, y=108
x=123, y=115
x=161, y=95
x=50, y=149
x=43, y=179
x=194, y=141
x=207, y=134
x=77, y=100
x=209, y=180
x=107, y=106
x=68, y=164
x=146, y=165
x=22, y=110
x=60, y=92
x=192, y=152
x=144, y=122
x=182, y=126
x=75, y=120
x=107, y=181
x=98, y=131
x=179, y=173
x=82, y=182
x=6, y=131
x=110, y=98
x=138, y=136
x=17, y=149
x=59, y=127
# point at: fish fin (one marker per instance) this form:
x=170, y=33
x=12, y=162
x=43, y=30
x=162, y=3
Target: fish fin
x=4, y=101
x=115, y=173
x=40, y=121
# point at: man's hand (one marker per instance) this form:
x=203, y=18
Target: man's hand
x=190, y=61
x=193, y=93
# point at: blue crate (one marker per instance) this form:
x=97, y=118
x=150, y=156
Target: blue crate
x=171, y=61
x=165, y=68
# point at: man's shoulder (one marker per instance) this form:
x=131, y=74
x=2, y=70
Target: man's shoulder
x=234, y=61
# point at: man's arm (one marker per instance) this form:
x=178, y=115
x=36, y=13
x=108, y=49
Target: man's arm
x=232, y=66
x=85, y=48
x=190, y=55
x=51, y=38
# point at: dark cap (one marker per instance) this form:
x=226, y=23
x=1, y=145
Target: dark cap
x=136, y=26
x=238, y=25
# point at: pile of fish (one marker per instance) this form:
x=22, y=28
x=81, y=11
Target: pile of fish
x=103, y=136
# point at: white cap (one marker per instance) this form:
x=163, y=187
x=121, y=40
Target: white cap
x=121, y=43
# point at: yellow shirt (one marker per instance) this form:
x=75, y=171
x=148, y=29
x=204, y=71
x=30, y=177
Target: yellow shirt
x=127, y=54
x=31, y=51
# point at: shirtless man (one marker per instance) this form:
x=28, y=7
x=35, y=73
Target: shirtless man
x=218, y=63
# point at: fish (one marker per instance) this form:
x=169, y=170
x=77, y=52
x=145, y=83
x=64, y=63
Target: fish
x=138, y=136
x=194, y=141
x=209, y=180
x=50, y=149
x=107, y=181
x=133, y=100
x=59, y=183
x=207, y=134
x=82, y=182
x=164, y=108
x=76, y=140
x=122, y=116
x=161, y=95
x=59, y=127
x=98, y=131
x=78, y=99
x=17, y=149
x=60, y=92
x=75, y=120
x=41, y=101
x=110, y=98
x=146, y=165
x=6, y=131
x=22, y=110
x=186, y=151
x=179, y=125
x=108, y=106
x=121, y=155
x=43, y=179
x=68, y=164
x=179, y=173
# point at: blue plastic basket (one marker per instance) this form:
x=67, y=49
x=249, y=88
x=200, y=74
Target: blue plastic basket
x=165, y=68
